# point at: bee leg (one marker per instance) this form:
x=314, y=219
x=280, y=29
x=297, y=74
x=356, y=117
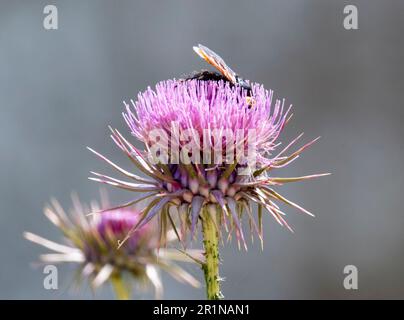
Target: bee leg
x=250, y=102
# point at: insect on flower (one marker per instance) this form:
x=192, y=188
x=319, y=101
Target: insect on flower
x=226, y=73
x=205, y=116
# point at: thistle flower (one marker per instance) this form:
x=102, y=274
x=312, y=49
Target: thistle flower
x=92, y=243
x=201, y=109
x=210, y=152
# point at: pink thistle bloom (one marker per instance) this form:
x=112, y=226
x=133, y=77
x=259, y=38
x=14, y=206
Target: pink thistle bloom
x=207, y=105
x=197, y=113
x=92, y=243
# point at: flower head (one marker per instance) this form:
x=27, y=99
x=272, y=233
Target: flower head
x=92, y=242
x=206, y=148
x=204, y=109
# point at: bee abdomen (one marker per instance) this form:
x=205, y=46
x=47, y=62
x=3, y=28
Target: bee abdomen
x=206, y=75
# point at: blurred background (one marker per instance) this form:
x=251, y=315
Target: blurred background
x=60, y=89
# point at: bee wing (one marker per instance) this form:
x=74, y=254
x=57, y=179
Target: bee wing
x=215, y=60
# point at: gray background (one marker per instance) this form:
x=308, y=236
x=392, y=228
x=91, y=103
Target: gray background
x=60, y=89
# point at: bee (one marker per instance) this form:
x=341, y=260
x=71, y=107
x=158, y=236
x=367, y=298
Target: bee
x=226, y=73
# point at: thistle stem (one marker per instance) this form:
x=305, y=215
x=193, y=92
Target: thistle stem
x=211, y=266
x=120, y=289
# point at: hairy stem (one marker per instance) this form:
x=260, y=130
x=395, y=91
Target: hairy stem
x=211, y=266
x=120, y=289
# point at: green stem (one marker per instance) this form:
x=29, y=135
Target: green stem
x=120, y=289
x=211, y=266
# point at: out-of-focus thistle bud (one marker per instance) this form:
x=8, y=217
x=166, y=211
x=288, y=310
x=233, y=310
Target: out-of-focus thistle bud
x=92, y=242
